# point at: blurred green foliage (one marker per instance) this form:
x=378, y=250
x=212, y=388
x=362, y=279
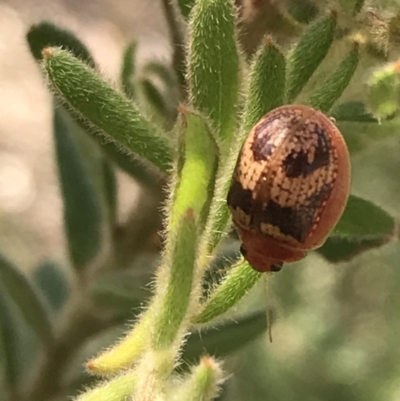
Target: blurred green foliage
x=335, y=322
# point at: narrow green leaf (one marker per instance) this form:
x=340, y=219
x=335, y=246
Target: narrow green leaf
x=120, y=388
x=162, y=72
x=110, y=190
x=27, y=299
x=46, y=34
x=186, y=6
x=213, y=63
x=228, y=254
x=121, y=291
x=154, y=96
x=82, y=206
x=198, y=165
x=331, y=90
x=136, y=168
x=202, y=384
x=85, y=94
x=127, y=351
x=50, y=278
x=224, y=338
x=219, y=222
x=308, y=54
x=353, y=111
x=355, y=233
x=128, y=70
x=235, y=286
x=160, y=88
x=302, y=11
x=176, y=299
x=9, y=347
x=267, y=84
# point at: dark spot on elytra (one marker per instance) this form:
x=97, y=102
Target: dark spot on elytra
x=263, y=145
x=296, y=163
x=240, y=197
x=294, y=222
x=290, y=221
x=315, y=201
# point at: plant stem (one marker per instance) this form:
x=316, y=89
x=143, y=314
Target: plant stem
x=178, y=46
x=79, y=323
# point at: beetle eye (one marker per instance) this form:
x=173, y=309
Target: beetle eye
x=276, y=267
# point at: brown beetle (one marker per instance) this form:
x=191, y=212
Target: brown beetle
x=289, y=187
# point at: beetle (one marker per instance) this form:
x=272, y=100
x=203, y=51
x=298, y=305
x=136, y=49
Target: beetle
x=289, y=187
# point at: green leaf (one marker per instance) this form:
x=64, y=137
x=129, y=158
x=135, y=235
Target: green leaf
x=82, y=206
x=9, y=347
x=110, y=190
x=224, y=338
x=331, y=90
x=139, y=170
x=174, y=303
x=354, y=223
x=122, y=291
x=213, y=63
x=384, y=91
x=203, y=382
x=85, y=94
x=362, y=226
x=337, y=249
x=308, y=54
x=136, y=168
x=162, y=72
x=361, y=136
x=267, y=84
x=235, y=286
x=47, y=34
x=353, y=111
x=154, y=96
x=120, y=388
x=196, y=171
x=302, y=11
x=228, y=254
x=160, y=88
x=219, y=222
x=186, y=6
x=128, y=70
x=27, y=299
x=50, y=278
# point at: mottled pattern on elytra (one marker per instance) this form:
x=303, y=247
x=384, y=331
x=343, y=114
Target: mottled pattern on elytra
x=284, y=175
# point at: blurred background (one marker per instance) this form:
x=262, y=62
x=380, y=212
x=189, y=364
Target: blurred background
x=30, y=205
x=336, y=330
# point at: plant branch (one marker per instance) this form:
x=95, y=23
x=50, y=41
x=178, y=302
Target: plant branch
x=79, y=323
x=178, y=44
